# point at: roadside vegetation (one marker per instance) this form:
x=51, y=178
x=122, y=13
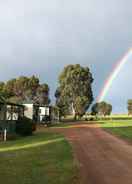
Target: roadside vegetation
x=42, y=158
x=116, y=117
x=118, y=124
x=122, y=128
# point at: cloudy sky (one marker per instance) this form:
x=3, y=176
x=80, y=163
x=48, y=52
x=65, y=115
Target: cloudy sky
x=41, y=37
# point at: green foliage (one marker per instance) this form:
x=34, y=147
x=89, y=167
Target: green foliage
x=25, y=89
x=94, y=109
x=61, y=104
x=42, y=95
x=81, y=105
x=101, y=108
x=25, y=126
x=75, y=93
x=129, y=107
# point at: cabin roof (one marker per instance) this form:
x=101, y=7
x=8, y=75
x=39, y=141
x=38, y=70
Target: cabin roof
x=2, y=99
x=13, y=104
x=39, y=105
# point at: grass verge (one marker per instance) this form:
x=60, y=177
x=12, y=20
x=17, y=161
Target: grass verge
x=120, y=128
x=45, y=158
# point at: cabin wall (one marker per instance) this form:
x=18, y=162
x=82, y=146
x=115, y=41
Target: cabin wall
x=9, y=114
x=10, y=126
x=44, y=111
x=28, y=112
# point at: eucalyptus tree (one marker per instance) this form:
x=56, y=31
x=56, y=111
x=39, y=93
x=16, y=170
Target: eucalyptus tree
x=101, y=108
x=25, y=89
x=75, y=89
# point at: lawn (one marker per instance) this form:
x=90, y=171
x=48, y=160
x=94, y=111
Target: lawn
x=122, y=128
x=44, y=158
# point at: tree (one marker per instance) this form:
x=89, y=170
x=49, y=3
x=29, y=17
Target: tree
x=9, y=88
x=75, y=91
x=33, y=84
x=94, y=109
x=61, y=104
x=129, y=106
x=24, y=89
x=42, y=95
x=101, y=108
x=2, y=90
x=1, y=86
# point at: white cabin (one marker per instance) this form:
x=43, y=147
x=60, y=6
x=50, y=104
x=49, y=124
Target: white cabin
x=37, y=113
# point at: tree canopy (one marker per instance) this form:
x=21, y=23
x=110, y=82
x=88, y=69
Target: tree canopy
x=25, y=89
x=101, y=108
x=75, y=89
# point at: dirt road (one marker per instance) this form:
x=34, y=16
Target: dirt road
x=103, y=158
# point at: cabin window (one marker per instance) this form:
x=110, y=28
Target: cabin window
x=9, y=112
x=47, y=111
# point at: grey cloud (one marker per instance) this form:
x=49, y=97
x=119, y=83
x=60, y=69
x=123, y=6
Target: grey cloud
x=41, y=37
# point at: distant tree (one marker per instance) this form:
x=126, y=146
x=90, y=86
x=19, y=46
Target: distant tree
x=2, y=90
x=2, y=86
x=108, y=109
x=9, y=88
x=75, y=89
x=129, y=106
x=94, y=109
x=101, y=108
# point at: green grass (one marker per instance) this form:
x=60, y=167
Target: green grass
x=45, y=158
x=120, y=128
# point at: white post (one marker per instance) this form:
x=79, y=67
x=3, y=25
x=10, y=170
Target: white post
x=5, y=135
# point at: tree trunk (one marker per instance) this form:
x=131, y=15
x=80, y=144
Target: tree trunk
x=73, y=110
x=75, y=117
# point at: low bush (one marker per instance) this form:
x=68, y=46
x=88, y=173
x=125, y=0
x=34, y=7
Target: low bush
x=25, y=126
x=106, y=118
x=114, y=118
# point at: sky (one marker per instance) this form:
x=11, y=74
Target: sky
x=41, y=37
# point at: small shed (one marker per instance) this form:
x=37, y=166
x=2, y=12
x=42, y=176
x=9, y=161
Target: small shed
x=31, y=111
x=40, y=113
x=48, y=114
x=45, y=113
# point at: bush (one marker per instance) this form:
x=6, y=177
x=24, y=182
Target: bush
x=114, y=118
x=25, y=126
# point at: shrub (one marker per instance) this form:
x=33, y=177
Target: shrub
x=25, y=126
x=114, y=118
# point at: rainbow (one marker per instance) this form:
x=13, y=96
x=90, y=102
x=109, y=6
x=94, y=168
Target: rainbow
x=119, y=65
